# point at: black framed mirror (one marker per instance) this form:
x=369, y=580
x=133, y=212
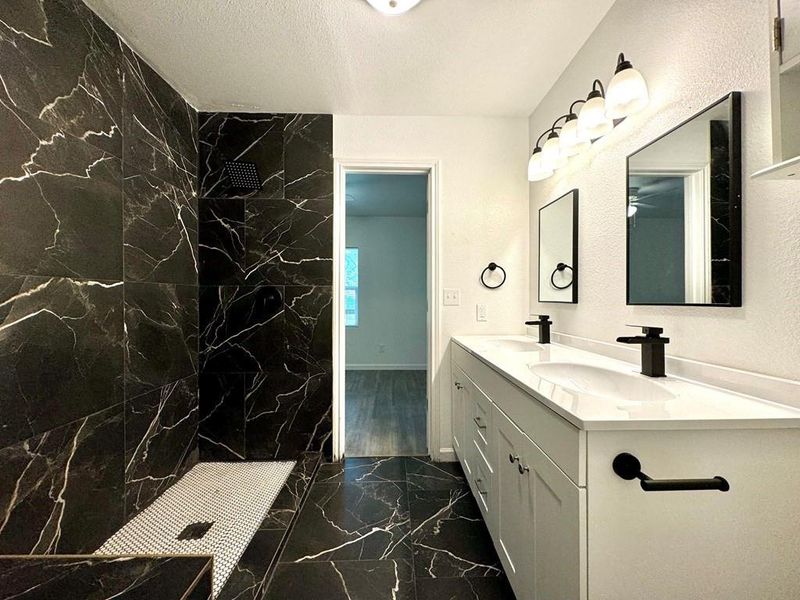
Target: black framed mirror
x=558, y=250
x=684, y=218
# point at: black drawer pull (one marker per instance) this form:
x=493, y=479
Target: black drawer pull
x=479, y=423
x=628, y=467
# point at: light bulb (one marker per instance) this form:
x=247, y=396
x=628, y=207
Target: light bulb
x=573, y=140
x=632, y=208
x=627, y=92
x=393, y=7
x=536, y=170
x=592, y=120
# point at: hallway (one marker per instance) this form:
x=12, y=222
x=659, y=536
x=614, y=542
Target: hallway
x=385, y=413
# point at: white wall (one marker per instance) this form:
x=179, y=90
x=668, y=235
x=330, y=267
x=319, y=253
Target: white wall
x=483, y=211
x=691, y=53
x=392, y=290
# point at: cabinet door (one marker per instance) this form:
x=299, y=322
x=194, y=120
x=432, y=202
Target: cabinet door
x=541, y=520
x=459, y=384
x=556, y=508
x=514, y=531
x=789, y=11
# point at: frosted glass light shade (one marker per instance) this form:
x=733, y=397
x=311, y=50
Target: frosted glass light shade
x=592, y=120
x=551, y=151
x=536, y=170
x=573, y=140
x=626, y=95
x=393, y=7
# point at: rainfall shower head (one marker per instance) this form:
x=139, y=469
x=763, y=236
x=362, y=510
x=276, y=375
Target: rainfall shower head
x=243, y=174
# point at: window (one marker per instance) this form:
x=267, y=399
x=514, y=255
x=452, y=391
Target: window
x=351, y=287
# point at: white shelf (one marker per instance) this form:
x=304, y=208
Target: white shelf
x=788, y=169
x=793, y=64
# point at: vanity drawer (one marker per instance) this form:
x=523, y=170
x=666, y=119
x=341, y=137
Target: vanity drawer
x=563, y=443
x=482, y=484
x=479, y=422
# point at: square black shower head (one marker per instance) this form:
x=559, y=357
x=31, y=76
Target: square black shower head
x=243, y=174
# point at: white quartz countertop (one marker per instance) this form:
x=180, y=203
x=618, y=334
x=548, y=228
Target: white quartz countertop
x=668, y=403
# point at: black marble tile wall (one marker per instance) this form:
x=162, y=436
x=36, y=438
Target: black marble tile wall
x=265, y=274
x=98, y=280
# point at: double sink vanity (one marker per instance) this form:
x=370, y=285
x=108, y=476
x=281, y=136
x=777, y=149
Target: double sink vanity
x=597, y=482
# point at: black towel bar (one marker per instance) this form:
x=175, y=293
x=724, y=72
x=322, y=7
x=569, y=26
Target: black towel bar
x=628, y=467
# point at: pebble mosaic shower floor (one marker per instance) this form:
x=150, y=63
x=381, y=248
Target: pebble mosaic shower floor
x=234, y=497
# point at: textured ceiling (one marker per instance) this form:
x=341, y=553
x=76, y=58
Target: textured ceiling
x=445, y=57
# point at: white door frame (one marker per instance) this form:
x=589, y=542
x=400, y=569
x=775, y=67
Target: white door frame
x=341, y=168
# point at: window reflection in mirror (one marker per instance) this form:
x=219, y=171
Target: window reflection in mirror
x=683, y=211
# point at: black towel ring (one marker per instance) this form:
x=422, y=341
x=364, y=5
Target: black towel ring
x=492, y=266
x=560, y=267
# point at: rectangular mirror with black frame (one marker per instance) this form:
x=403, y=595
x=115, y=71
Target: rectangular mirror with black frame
x=558, y=250
x=684, y=212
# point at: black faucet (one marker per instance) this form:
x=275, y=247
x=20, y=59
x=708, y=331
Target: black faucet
x=544, y=323
x=652, y=349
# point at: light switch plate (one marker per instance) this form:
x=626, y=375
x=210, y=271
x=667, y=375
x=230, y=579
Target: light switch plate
x=481, y=312
x=452, y=297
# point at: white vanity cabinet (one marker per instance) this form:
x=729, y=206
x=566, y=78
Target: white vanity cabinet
x=540, y=518
x=567, y=527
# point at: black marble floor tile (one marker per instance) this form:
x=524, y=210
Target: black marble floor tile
x=160, y=441
x=343, y=580
x=248, y=580
x=159, y=127
x=221, y=241
x=308, y=161
x=161, y=335
x=61, y=63
x=449, y=536
x=61, y=209
x=241, y=328
x=351, y=521
x=287, y=413
x=309, y=322
x=289, y=242
x=75, y=329
x=424, y=474
x=256, y=138
x=464, y=588
x=103, y=578
x=288, y=501
x=160, y=231
x=222, y=416
x=363, y=470
x=62, y=491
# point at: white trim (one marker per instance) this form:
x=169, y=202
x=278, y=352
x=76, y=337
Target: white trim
x=343, y=166
x=385, y=367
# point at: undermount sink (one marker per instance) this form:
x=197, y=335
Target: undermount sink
x=597, y=381
x=513, y=345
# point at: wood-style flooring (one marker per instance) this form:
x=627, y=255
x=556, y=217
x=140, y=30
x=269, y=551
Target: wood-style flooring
x=386, y=413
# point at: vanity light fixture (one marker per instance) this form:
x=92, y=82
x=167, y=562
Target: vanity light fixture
x=393, y=7
x=627, y=94
x=592, y=120
x=537, y=170
x=573, y=141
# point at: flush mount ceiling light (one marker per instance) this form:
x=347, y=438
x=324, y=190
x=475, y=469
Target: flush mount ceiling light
x=393, y=7
x=600, y=113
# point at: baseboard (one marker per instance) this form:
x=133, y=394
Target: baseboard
x=386, y=367
x=447, y=455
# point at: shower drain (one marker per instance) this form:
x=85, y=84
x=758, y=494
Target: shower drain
x=195, y=531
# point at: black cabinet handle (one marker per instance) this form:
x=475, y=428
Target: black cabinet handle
x=628, y=467
x=478, y=423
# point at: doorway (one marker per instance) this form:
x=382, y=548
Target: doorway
x=384, y=269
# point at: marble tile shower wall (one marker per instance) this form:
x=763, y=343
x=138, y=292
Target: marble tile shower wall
x=265, y=287
x=98, y=280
